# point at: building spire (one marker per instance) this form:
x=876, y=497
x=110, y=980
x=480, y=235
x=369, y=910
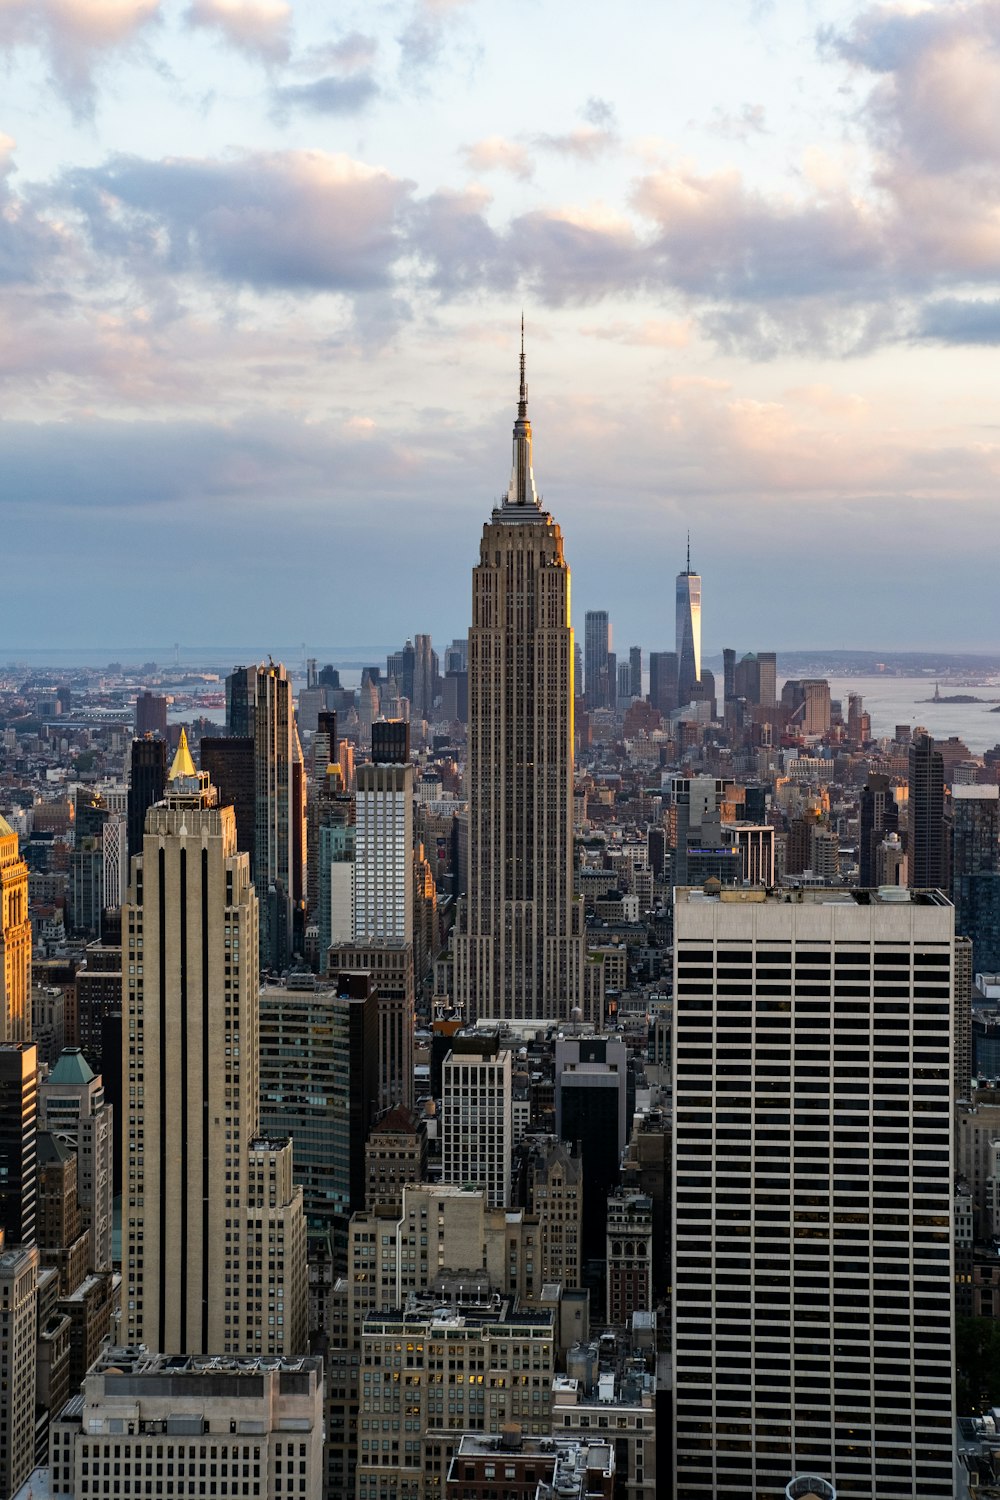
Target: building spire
x=521, y=490
x=689, y=552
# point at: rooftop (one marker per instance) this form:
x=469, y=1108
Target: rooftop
x=884, y=895
x=71, y=1068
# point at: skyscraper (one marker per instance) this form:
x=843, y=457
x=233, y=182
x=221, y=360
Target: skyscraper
x=812, y=1193
x=18, y=1136
x=635, y=671
x=208, y=1205
x=597, y=646
x=259, y=707
x=663, y=680
x=146, y=783
x=477, y=1132
x=71, y=1105
x=383, y=852
x=878, y=816
x=15, y=940
x=925, y=814
x=520, y=946
x=688, y=633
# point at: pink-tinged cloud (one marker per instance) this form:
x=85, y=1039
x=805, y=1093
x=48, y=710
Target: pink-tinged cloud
x=653, y=333
x=302, y=220
x=75, y=36
x=259, y=28
x=498, y=154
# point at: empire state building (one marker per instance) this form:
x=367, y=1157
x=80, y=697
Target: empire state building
x=520, y=946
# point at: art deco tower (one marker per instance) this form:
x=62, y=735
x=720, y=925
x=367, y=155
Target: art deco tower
x=209, y=1204
x=688, y=633
x=15, y=941
x=519, y=949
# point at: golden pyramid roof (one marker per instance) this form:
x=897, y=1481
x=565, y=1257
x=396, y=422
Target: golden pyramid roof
x=183, y=764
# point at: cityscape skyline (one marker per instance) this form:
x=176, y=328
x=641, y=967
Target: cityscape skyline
x=761, y=306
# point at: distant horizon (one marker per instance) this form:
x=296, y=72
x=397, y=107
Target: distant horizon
x=357, y=657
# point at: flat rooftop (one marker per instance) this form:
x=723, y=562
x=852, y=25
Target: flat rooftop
x=743, y=895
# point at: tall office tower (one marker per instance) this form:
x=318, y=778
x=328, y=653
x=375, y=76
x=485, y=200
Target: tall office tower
x=767, y=663
x=878, y=816
x=259, y=707
x=399, y=667
x=597, y=645
x=855, y=713
x=334, y=813
x=391, y=742
x=319, y=1050
x=729, y=676
x=114, y=854
x=807, y=703
x=663, y=681
x=208, y=1204
x=635, y=671
x=812, y=1314
x=975, y=846
x=925, y=815
x=324, y=746
x=146, y=783
x=72, y=1107
x=150, y=715
x=18, y=1149
x=962, y=1006
x=425, y=672
x=369, y=706
x=229, y=761
x=15, y=940
x=18, y=1351
x=389, y=962
x=477, y=1132
x=688, y=633
x=595, y=1096
x=383, y=852
x=746, y=678
x=520, y=947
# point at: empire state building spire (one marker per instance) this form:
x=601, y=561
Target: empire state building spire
x=521, y=490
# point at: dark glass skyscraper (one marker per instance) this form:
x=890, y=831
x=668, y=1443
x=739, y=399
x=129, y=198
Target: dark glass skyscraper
x=926, y=850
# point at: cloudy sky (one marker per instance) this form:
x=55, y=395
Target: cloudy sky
x=262, y=265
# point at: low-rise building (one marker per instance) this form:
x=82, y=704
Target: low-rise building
x=191, y=1426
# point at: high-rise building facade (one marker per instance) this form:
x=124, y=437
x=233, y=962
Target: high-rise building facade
x=597, y=648
x=688, y=634
x=259, y=707
x=208, y=1205
x=147, y=780
x=477, y=1133
x=925, y=815
x=975, y=848
x=663, y=681
x=635, y=671
x=812, y=1321
x=18, y=1141
x=319, y=1048
x=18, y=1348
x=383, y=853
x=72, y=1106
x=878, y=816
x=520, y=946
x=15, y=940
x=150, y=715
